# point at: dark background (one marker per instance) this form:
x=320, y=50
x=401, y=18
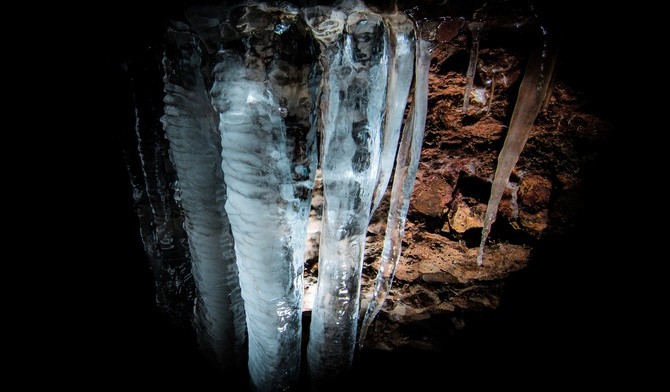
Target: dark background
x=563, y=319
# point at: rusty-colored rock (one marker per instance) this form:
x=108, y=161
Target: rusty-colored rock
x=534, y=223
x=430, y=196
x=463, y=216
x=534, y=192
x=486, y=129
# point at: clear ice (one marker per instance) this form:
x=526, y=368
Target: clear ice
x=191, y=126
x=532, y=93
x=246, y=92
x=475, y=28
x=261, y=92
x=353, y=96
x=407, y=164
x=400, y=72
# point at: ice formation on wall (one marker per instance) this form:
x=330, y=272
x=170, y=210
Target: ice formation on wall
x=256, y=97
x=243, y=107
x=190, y=125
x=532, y=94
x=407, y=163
x=351, y=114
x=156, y=191
x=475, y=28
x=261, y=91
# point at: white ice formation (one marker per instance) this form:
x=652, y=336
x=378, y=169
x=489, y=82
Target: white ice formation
x=255, y=98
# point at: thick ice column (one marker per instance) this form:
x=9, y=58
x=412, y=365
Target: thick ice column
x=169, y=248
x=269, y=161
x=406, y=167
x=191, y=126
x=351, y=115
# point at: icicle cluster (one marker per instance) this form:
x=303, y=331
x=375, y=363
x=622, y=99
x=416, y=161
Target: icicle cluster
x=246, y=92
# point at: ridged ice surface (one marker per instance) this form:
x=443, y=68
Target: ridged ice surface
x=155, y=189
x=351, y=114
x=261, y=91
x=191, y=126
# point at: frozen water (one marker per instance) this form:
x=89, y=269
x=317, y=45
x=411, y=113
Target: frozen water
x=532, y=93
x=476, y=29
x=400, y=72
x=191, y=126
x=247, y=90
x=261, y=91
x=154, y=179
x=351, y=113
x=406, y=167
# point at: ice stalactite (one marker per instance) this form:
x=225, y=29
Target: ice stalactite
x=261, y=92
x=248, y=88
x=407, y=164
x=167, y=242
x=191, y=126
x=133, y=160
x=400, y=71
x=475, y=28
x=495, y=77
x=351, y=113
x=532, y=93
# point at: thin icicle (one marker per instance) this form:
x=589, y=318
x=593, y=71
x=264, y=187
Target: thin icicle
x=532, y=92
x=401, y=67
x=475, y=29
x=406, y=167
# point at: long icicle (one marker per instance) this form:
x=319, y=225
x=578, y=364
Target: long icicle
x=261, y=92
x=352, y=108
x=407, y=164
x=191, y=126
x=401, y=64
x=533, y=89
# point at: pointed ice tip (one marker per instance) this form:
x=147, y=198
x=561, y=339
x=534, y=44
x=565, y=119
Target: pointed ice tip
x=480, y=258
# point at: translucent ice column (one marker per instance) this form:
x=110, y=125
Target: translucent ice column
x=400, y=73
x=352, y=102
x=261, y=93
x=191, y=126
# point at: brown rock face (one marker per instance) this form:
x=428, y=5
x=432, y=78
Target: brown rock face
x=430, y=196
x=466, y=214
x=535, y=192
